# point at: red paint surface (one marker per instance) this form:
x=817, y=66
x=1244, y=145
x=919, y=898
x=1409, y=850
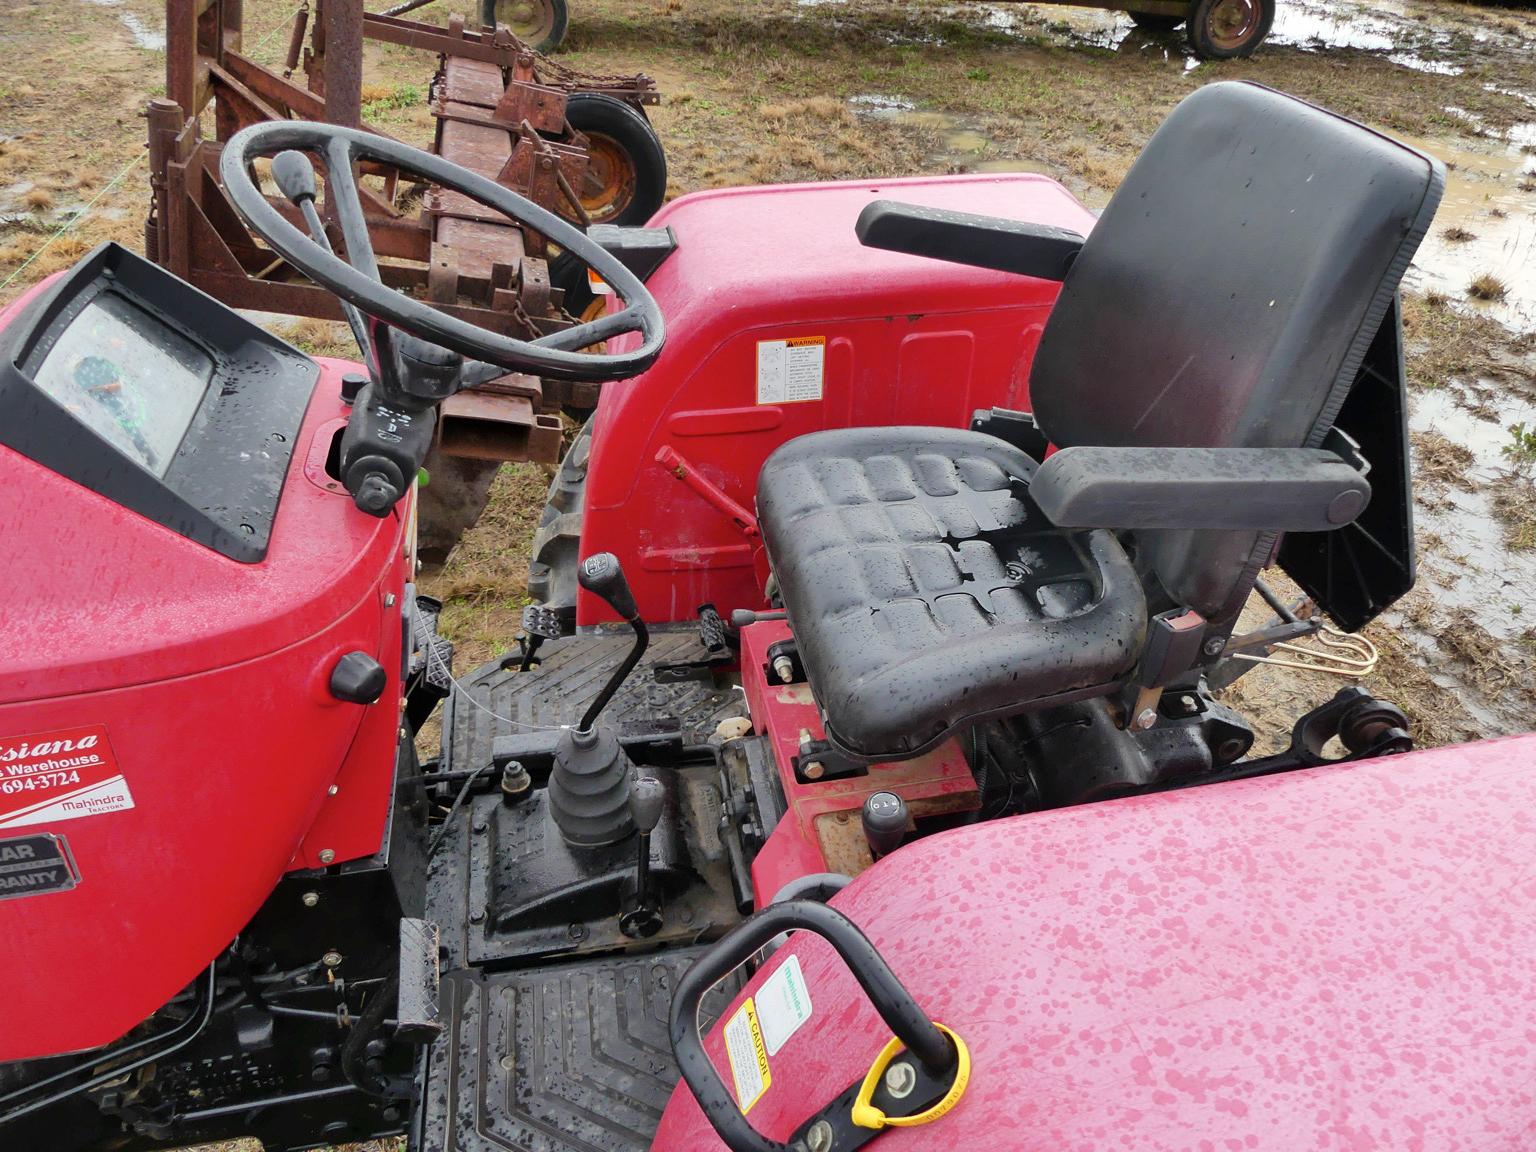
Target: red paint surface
x=940, y=781
x=909, y=341
x=1341, y=959
x=211, y=678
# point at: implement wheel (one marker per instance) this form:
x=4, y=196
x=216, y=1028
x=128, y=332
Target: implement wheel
x=627, y=174
x=1154, y=21
x=541, y=24
x=1228, y=29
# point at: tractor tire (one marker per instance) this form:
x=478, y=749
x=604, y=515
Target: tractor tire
x=1154, y=21
x=569, y=274
x=627, y=174
x=557, y=540
x=541, y=24
x=1228, y=29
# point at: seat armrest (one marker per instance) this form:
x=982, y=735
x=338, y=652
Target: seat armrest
x=1038, y=250
x=1262, y=489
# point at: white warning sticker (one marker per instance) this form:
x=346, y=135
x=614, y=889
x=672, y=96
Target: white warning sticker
x=791, y=371
x=748, y=1056
x=783, y=1004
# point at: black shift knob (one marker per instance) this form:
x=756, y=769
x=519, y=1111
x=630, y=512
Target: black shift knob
x=294, y=175
x=647, y=798
x=601, y=575
x=884, y=817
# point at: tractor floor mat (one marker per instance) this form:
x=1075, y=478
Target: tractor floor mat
x=672, y=684
x=566, y=1058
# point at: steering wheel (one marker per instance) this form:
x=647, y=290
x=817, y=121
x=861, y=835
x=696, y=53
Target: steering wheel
x=358, y=283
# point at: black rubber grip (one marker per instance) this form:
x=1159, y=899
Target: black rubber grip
x=900, y=1012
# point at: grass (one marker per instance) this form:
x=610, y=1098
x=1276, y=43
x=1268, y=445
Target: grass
x=1456, y=234
x=1487, y=286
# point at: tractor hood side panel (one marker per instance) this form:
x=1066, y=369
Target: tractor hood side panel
x=1340, y=957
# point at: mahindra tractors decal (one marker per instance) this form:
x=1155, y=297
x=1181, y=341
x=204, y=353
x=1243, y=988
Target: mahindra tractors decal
x=63, y=775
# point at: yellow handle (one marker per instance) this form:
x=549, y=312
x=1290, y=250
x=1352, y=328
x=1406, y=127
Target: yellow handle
x=866, y=1115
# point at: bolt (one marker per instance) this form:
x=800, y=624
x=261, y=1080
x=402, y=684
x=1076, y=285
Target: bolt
x=326, y=855
x=784, y=669
x=1214, y=645
x=1146, y=718
x=507, y=1064
x=332, y=790
x=310, y=899
x=332, y=959
x=819, y=1138
x=577, y=932
x=476, y=916
x=814, y=770
x=900, y=1079
x=389, y=599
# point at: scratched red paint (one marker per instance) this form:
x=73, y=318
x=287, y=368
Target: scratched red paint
x=1342, y=959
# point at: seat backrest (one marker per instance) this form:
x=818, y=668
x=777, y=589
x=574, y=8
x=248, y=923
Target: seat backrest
x=1226, y=298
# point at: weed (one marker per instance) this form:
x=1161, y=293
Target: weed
x=1522, y=443
x=1456, y=234
x=38, y=199
x=1487, y=287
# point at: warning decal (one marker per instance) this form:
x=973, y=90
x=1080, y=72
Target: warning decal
x=748, y=1056
x=63, y=775
x=783, y=1004
x=791, y=371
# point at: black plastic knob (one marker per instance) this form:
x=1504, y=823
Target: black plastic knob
x=351, y=384
x=358, y=678
x=647, y=798
x=601, y=575
x=884, y=818
x=294, y=175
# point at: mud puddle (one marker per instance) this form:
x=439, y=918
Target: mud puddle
x=139, y=30
x=1486, y=226
x=958, y=144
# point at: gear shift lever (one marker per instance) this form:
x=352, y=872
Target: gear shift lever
x=647, y=799
x=601, y=575
x=589, y=785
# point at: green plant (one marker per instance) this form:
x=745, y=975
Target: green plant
x=1522, y=444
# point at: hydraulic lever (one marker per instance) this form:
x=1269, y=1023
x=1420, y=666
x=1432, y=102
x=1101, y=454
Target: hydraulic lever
x=647, y=799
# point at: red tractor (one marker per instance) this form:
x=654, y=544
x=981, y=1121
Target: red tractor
x=860, y=764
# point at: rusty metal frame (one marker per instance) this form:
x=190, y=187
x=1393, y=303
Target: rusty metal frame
x=499, y=108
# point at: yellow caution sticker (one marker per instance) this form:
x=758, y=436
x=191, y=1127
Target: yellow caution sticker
x=748, y=1054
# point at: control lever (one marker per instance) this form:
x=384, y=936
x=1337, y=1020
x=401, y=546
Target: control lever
x=601, y=575
x=647, y=799
x=294, y=176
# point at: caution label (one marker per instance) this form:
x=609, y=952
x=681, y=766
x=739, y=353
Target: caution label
x=791, y=371
x=31, y=865
x=748, y=1055
x=64, y=775
x=783, y=1004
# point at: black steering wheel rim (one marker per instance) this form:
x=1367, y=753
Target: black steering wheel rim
x=555, y=356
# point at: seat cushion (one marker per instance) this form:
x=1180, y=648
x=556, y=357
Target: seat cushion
x=926, y=592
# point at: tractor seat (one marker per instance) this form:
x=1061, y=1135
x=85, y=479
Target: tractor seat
x=1190, y=376
x=930, y=575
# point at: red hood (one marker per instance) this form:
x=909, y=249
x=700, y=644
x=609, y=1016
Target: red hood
x=1339, y=959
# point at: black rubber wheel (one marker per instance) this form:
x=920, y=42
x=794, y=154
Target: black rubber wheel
x=541, y=24
x=627, y=173
x=1228, y=29
x=1155, y=21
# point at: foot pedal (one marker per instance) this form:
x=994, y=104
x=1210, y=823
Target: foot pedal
x=420, y=982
